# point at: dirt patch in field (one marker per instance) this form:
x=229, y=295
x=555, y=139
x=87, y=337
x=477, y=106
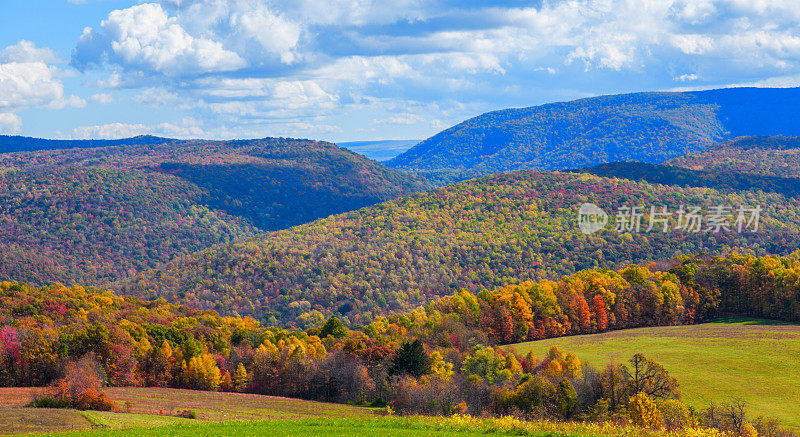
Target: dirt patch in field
x=18, y=420
x=17, y=396
x=227, y=406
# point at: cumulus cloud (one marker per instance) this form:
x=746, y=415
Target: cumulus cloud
x=103, y=98
x=188, y=128
x=25, y=84
x=26, y=51
x=144, y=36
x=687, y=77
x=10, y=124
x=268, y=66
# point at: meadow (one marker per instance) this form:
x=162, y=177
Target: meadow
x=153, y=412
x=158, y=407
x=385, y=426
x=754, y=360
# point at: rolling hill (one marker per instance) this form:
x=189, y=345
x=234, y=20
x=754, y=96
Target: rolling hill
x=647, y=127
x=715, y=362
x=720, y=179
x=94, y=214
x=15, y=143
x=480, y=233
x=777, y=156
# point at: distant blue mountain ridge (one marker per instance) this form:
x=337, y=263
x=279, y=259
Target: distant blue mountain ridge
x=650, y=127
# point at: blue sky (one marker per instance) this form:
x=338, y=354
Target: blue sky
x=362, y=69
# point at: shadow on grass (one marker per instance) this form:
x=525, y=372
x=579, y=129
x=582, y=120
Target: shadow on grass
x=738, y=320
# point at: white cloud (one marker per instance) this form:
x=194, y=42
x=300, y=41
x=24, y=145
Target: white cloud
x=26, y=51
x=10, y=124
x=103, y=99
x=143, y=36
x=693, y=44
x=111, y=131
x=361, y=69
x=32, y=84
x=270, y=66
x=188, y=128
x=276, y=35
x=263, y=97
x=157, y=97
x=687, y=77
x=406, y=119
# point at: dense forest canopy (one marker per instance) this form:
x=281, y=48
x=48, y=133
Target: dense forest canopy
x=720, y=179
x=15, y=143
x=93, y=215
x=476, y=234
x=777, y=156
x=646, y=127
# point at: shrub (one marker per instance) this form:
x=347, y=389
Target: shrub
x=94, y=400
x=676, y=415
x=642, y=411
x=187, y=414
x=45, y=401
x=79, y=389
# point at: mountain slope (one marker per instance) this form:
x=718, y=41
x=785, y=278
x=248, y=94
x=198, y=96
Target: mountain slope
x=646, y=127
x=14, y=143
x=479, y=233
x=94, y=215
x=722, y=179
x=777, y=156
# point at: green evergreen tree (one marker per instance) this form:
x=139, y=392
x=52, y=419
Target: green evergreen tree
x=411, y=359
x=567, y=398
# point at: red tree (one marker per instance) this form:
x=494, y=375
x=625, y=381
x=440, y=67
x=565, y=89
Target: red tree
x=600, y=313
x=580, y=310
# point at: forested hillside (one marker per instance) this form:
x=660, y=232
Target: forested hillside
x=721, y=179
x=440, y=359
x=760, y=155
x=646, y=127
x=14, y=143
x=93, y=215
x=476, y=234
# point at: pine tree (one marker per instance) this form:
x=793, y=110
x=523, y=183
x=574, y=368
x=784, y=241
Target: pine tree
x=411, y=359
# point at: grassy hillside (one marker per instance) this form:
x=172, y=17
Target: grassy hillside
x=754, y=360
x=389, y=426
x=777, y=156
x=269, y=415
x=156, y=407
x=478, y=234
x=647, y=127
x=99, y=214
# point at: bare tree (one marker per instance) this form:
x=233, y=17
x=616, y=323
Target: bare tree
x=649, y=377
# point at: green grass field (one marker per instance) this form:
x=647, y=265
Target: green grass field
x=755, y=360
x=384, y=426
